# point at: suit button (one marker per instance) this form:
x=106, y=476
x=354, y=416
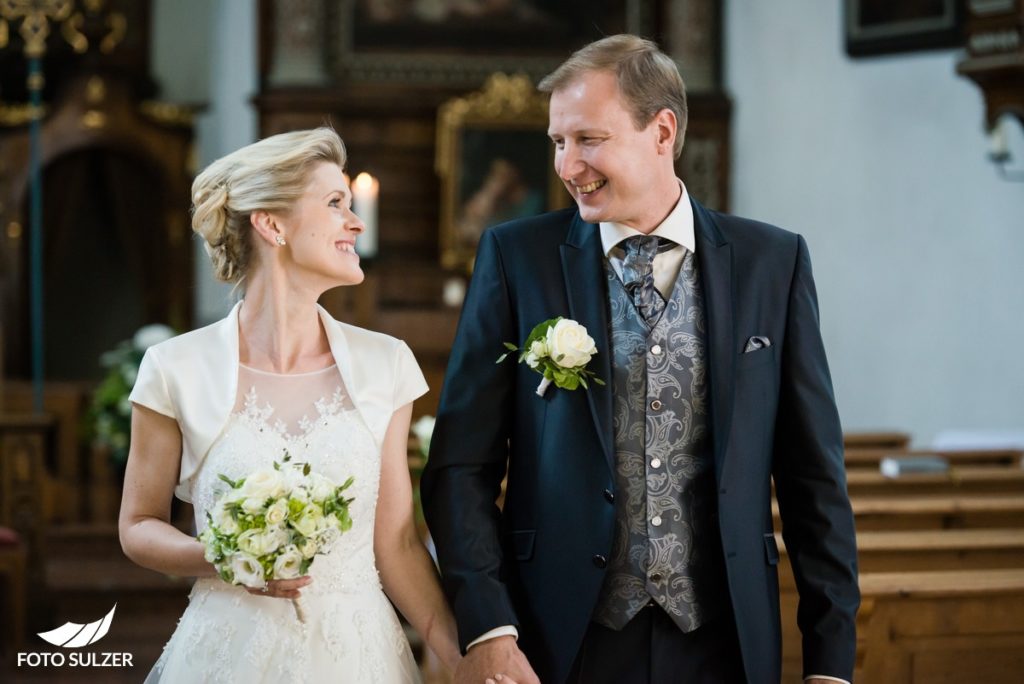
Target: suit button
x=655, y=577
x=656, y=349
x=655, y=462
x=600, y=561
x=656, y=405
x=656, y=521
x=609, y=496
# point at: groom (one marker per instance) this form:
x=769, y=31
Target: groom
x=636, y=539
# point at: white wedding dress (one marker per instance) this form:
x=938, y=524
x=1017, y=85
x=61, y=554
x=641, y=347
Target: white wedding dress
x=350, y=632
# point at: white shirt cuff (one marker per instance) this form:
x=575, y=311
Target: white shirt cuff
x=507, y=630
x=831, y=679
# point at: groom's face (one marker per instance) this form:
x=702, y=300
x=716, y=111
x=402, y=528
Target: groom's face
x=608, y=165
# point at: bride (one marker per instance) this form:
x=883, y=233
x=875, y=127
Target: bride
x=280, y=375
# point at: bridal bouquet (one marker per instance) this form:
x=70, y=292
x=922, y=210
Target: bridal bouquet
x=559, y=349
x=271, y=524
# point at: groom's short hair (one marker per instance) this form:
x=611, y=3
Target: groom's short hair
x=648, y=78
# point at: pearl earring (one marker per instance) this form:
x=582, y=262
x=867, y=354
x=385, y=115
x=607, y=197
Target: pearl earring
x=280, y=240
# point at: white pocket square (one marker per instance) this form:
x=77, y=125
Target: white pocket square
x=757, y=342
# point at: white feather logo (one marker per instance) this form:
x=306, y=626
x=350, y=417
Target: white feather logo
x=74, y=635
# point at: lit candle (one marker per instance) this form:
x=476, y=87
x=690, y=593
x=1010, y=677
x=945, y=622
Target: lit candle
x=364, y=203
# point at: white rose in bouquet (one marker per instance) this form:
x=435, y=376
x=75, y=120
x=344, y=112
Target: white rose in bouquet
x=322, y=487
x=309, y=521
x=289, y=564
x=309, y=548
x=261, y=542
x=247, y=570
x=263, y=484
x=277, y=513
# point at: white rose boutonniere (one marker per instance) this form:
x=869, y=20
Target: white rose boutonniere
x=559, y=349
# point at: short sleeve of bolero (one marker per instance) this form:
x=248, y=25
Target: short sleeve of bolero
x=150, y=388
x=409, y=381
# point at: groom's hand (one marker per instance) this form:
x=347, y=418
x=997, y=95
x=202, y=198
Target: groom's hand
x=495, y=656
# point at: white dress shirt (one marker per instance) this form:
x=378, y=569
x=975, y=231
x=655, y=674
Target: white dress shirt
x=677, y=227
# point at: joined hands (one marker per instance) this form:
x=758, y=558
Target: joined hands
x=495, y=661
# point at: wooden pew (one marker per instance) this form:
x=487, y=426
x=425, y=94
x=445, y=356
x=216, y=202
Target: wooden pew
x=913, y=551
x=957, y=480
x=923, y=550
x=876, y=440
x=870, y=458
x=942, y=627
x=975, y=511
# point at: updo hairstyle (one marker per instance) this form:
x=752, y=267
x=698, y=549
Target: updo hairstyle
x=269, y=175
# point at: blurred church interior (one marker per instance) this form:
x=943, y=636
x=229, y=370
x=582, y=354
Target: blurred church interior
x=890, y=135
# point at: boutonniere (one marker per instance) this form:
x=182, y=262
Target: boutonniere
x=559, y=349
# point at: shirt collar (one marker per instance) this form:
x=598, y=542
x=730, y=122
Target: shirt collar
x=677, y=227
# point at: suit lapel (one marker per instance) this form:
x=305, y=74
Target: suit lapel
x=714, y=254
x=587, y=292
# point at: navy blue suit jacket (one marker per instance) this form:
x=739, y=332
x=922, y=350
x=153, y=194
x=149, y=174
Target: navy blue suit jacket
x=773, y=415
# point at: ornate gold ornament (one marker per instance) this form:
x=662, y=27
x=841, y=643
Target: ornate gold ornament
x=36, y=15
x=95, y=90
x=166, y=113
x=19, y=114
x=504, y=99
x=72, y=32
x=35, y=18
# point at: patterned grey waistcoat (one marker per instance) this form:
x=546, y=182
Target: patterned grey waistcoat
x=666, y=544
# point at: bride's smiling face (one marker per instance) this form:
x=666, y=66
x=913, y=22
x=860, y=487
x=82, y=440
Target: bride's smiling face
x=320, y=231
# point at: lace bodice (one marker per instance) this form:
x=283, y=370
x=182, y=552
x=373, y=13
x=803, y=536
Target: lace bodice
x=310, y=417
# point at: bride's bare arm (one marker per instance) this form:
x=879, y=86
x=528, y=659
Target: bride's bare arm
x=147, y=536
x=406, y=569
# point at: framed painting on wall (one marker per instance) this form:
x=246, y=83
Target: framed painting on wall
x=453, y=42
x=495, y=162
x=876, y=27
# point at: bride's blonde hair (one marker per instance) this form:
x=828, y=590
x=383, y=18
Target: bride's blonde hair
x=268, y=175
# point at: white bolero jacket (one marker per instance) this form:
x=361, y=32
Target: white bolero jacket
x=193, y=378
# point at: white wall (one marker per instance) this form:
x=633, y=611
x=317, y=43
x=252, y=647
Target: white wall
x=206, y=52
x=180, y=49
x=916, y=242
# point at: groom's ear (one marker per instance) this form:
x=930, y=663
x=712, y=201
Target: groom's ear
x=666, y=128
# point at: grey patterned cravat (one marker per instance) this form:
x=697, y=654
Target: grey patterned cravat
x=638, y=276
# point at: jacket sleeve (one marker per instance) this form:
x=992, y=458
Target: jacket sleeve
x=469, y=452
x=810, y=484
x=150, y=389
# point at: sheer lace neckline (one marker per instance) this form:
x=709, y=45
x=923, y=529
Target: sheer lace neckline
x=290, y=404
x=333, y=366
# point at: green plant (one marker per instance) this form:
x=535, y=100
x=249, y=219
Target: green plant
x=110, y=416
